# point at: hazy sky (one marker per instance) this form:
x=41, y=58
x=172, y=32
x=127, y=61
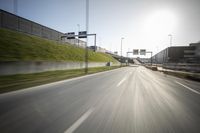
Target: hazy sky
x=143, y=23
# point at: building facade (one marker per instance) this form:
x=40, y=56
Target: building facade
x=178, y=54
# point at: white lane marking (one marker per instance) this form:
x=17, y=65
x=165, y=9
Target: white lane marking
x=188, y=88
x=121, y=81
x=79, y=121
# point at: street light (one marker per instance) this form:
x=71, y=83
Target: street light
x=121, y=50
x=78, y=32
x=15, y=5
x=170, y=35
x=78, y=25
x=87, y=27
x=121, y=45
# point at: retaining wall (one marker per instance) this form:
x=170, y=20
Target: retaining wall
x=15, y=67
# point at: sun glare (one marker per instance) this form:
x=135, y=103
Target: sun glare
x=161, y=22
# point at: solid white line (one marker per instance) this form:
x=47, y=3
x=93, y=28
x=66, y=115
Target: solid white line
x=121, y=81
x=188, y=88
x=79, y=121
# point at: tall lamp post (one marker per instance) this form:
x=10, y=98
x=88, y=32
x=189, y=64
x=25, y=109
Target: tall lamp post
x=78, y=25
x=15, y=5
x=166, y=52
x=87, y=27
x=170, y=35
x=121, y=50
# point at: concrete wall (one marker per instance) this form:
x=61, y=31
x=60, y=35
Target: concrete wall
x=15, y=67
x=176, y=54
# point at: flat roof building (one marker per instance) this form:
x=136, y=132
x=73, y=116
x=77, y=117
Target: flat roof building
x=178, y=54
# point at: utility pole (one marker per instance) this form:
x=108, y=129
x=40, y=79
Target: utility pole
x=78, y=32
x=95, y=43
x=87, y=28
x=170, y=42
x=121, y=50
x=78, y=25
x=151, y=58
x=15, y=6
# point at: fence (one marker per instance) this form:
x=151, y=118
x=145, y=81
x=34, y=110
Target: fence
x=24, y=67
x=17, y=23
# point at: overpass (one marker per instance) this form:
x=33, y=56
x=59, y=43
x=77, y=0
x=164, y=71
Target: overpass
x=121, y=59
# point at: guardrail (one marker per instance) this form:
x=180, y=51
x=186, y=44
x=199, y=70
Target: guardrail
x=178, y=73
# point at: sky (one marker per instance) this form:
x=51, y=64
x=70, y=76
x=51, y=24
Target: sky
x=144, y=24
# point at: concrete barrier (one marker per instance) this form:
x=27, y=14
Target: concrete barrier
x=183, y=67
x=181, y=74
x=23, y=67
x=154, y=68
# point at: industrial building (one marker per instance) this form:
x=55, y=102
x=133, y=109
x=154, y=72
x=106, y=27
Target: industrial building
x=179, y=54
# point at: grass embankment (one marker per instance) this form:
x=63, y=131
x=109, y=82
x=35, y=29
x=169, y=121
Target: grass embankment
x=16, y=46
x=21, y=81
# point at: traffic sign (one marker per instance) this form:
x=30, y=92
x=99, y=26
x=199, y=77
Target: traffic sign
x=82, y=34
x=135, y=51
x=142, y=51
x=70, y=35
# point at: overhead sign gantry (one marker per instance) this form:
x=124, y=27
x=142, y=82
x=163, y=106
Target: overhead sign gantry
x=81, y=34
x=141, y=52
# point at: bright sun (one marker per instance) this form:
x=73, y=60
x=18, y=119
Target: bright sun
x=159, y=23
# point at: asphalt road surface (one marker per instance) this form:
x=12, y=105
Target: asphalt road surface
x=125, y=100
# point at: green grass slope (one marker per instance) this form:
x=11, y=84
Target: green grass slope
x=15, y=46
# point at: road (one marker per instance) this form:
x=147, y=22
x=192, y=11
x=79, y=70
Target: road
x=125, y=100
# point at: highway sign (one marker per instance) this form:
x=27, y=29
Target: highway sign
x=135, y=51
x=70, y=35
x=142, y=51
x=82, y=34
